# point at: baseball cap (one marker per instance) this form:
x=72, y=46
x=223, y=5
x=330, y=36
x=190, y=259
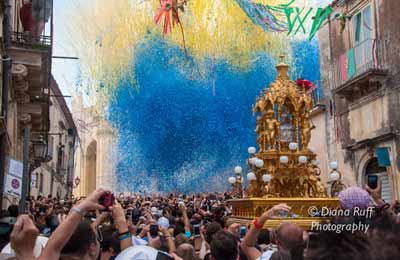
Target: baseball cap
x=163, y=222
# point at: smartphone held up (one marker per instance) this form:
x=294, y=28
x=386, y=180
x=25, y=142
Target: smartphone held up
x=372, y=181
x=107, y=200
x=154, y=230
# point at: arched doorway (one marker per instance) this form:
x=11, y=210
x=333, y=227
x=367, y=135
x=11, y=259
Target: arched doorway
x=372, y=168
x=90, y=168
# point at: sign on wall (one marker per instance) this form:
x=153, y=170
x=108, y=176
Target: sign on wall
x=33, y=180
x=13, y=179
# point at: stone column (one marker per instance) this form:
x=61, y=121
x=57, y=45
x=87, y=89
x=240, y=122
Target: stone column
x=106, y=157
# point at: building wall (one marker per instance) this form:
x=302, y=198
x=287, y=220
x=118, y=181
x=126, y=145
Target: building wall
x=318, y=142
x=55, y=181
x=28, y=84
x=95, y=151
x=369, y=118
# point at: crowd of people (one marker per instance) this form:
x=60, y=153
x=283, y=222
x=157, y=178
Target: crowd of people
x=193, y=227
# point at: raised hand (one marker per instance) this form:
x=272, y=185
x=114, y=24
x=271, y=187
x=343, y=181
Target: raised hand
x=61, y=218
x=92, y=201
x=118, y=214
x=376, y=193
x=234, y=229
x=23, y=237
x=275, y=210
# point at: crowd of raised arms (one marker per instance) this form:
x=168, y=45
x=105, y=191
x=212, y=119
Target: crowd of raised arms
x=155, y=227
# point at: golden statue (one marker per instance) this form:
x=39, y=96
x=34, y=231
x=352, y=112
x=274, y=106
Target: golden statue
x=271, y=127
x=287, y=174
x=305, y=131
x=259, y=132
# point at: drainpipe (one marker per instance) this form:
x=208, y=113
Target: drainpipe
x=26, y=170
x=6, y=63
x=72, y=167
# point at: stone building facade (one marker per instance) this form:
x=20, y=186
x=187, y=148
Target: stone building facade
x=55, y=176
x=95, y=161
x=360, y=70
x=36, y=126
x=25, y=92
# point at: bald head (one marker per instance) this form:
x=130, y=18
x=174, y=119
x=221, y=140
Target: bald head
x=186, y=252
x=290, y=235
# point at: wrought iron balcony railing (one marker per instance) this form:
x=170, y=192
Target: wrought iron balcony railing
x=21, y=38
x=366, y=56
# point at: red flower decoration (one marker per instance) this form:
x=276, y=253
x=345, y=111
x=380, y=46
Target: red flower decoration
x=308, y=85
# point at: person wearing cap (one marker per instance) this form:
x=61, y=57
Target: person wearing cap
x=163, y=222
x=354, y=197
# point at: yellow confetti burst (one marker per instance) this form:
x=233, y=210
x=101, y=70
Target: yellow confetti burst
x=106, y=33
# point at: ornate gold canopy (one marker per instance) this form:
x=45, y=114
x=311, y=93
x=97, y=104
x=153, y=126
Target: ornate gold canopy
x=288, y=167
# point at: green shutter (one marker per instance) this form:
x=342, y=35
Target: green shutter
x=383, y=156
x=358, y=28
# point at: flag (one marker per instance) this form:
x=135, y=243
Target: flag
x=351, y=64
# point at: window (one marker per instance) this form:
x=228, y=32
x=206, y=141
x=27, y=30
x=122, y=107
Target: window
x=60, y=159
x=363, y=25
x=41, y=183
x=50, y=147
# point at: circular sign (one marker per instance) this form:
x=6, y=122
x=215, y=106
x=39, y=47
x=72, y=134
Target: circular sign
x=15, y=183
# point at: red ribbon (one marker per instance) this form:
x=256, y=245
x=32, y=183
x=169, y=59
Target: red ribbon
x=168, y=9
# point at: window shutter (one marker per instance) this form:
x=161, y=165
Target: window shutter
x=386, y=190
x=358, y=27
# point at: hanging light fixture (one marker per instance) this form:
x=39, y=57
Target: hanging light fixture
x=39, y=150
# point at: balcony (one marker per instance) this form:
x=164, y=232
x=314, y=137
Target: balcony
x=355, y=70
x=31, y=53
x=32, y=24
